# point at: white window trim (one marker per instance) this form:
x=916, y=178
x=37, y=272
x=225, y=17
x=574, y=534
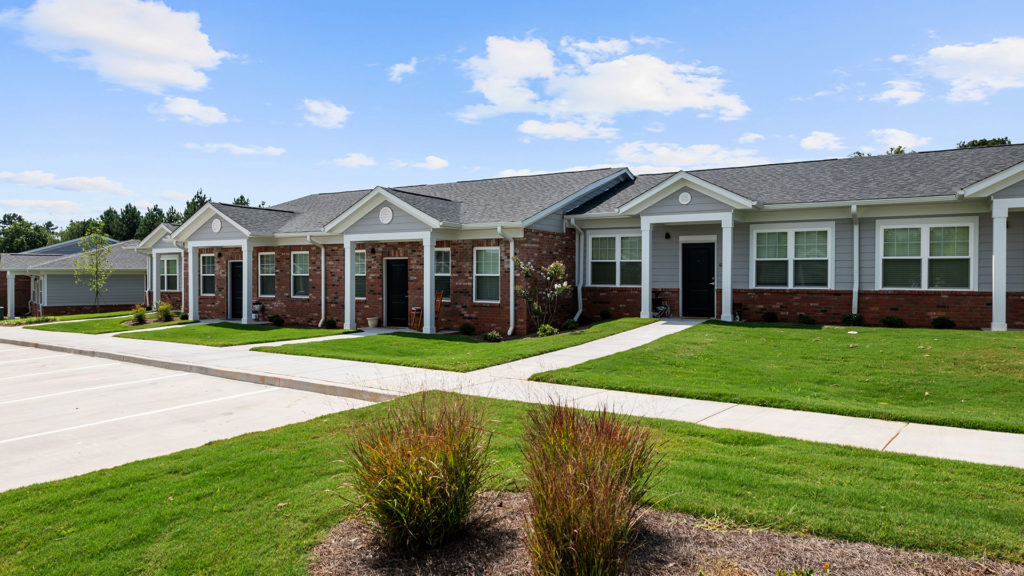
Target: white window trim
x=925, y=224
x=618, y=235
x=365, y=265
x=449, y=274
x=260, y=275
x=163, y=274
x=791, y=228
x=476, y=275
x=293, y=275
x=214, y=275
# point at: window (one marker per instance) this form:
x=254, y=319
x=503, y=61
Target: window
x=615, y=260
x=792, y=257
x=300, y=274
x=360, y=268
x=207, y=271
x=443, y=272
x=267, y=275
x=169, y=274
x=937, y=255
x=486, y=275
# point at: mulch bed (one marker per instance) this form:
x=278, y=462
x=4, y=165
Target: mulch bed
x=669, y=543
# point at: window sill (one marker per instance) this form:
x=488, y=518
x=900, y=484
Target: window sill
x=265, y=296
x=488, y=302
x=300, y=297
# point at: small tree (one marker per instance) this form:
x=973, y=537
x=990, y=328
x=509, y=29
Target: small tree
x=92, y=266
x=543, y=289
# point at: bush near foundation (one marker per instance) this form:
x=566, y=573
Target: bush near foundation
x=770, y=316
x=853, y=319
x=943, y=323
x=164, y=313
x=138, y=315
x=894, y=322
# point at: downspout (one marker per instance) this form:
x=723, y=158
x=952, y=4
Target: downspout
x=579, y=270
x=511, y=280
x=184, y=292
x=323, y=279
x=856, y=257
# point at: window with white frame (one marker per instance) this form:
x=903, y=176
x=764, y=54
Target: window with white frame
x=486, y=275
x=207, y=274
x=300, y=274
x=792, y=257
x=615, y=260
x=934, y=255
x=169, y=274
x=443, y=272
x=267, y=275
x=360, y=272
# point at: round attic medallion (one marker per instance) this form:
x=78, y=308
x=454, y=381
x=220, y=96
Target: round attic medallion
x=216, y=225
x=685, y=198
x=386, y=215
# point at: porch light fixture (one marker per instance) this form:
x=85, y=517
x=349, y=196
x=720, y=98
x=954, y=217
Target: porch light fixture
x=218, y=254
x=373, y=249
x=668, y=236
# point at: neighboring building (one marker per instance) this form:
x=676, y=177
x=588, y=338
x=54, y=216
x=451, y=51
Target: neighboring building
x=49, y=287
x=915, y=235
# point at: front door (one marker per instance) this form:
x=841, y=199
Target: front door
x=699, y=280
x=235, y=289
x=396, y=292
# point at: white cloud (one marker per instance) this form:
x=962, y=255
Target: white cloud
x=750, y=137
x=891, y=137
x=976, y=71
x=567, y=130
x=655, y=127
x=64, y=207
x=399, y=71
x=821, y=141
x=176, y=196
x=662, y=157
x=325, y=114
x=431, y=163
x=354, y=160
x=902, y=91
x=190, y=110
x=898, y=58
x=40, y=179
x=142, y=45
x=237, y=150
x=602, y=81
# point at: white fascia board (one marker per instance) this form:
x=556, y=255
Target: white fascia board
x=588, y=189
x=995, y=182
x=678, y=180
x=202, y=216
x=372, y=199
x=153, y=237
x=873, y=202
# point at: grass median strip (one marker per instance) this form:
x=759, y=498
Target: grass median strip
x=952, y=378
x=231, y=334
x=451, y=351
x=102, y=325
x=260, y=502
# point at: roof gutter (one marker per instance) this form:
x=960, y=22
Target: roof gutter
x=579, y=274
x=323, y=279
x=855, y=297
x=511, y=280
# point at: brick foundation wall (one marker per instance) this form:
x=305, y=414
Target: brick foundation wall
x=172, y=298
x=295, y=311
x=22, y=293
x=1014, y=310
x=825, y=306
x=542, y=248
x=621, y=302
x=918, y=307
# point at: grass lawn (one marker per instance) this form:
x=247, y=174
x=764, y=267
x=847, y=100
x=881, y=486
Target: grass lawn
x=231, y=334
x=258, y=503
x=41, y=319
x=954, y=378
x=451, y=351
x=102, y=326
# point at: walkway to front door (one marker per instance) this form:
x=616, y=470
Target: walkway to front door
x=396, y=292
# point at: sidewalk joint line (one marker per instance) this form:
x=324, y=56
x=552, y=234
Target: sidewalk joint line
x=898, y=432
x=727, y=408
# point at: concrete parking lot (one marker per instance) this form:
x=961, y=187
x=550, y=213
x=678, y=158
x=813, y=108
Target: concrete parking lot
x=62, y=415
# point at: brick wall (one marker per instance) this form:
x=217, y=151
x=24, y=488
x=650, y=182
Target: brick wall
x=621, y=302
x=825, y=306
x=297, y=311
x=216, y=306
x=172, y=298
x=967, y=309
x=22, y=293
x=542, y=248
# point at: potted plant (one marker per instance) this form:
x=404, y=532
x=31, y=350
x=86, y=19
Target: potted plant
x=373, y=321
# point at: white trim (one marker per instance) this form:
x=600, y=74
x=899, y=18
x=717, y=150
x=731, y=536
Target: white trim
x=448, y=275
x=156, y=234
x=613, y=178
x=213, y=275
x=216, y=243
x=429, y=253
x=1002, y=207
x=995, y=182
x=682, y=178
x=260, y=275
x=618, y=235
x=292, y=275
x=356, y=275
x=350, y=301
x=722, y=217
x=702, y=239
x=177, y=273
x=201, y=217
x=371, y=200
x=925, y=224
x=791, y=228
x=388, y=237
x=498, y=275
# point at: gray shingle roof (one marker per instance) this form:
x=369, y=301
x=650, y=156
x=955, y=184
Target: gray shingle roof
x=66, y=247
x=610, y=201
x=258, y=221
x=313, y=212
x=123, y=257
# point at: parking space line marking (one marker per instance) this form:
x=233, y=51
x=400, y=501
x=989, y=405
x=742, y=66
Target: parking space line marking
x=30, y=358
x=77, y=390
x=59, y=371
x=139, y=415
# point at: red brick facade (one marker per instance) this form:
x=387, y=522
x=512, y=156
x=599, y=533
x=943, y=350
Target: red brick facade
x=298, y=311
x=172, y=298
x=216, y=306
x=825, y=306
x=22, y=294
x=620, y=302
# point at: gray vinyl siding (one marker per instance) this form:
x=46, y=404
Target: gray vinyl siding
x=551, y=223
x=741, y=255
x=227, y=232
x=699, y=204
x=665, y=254
x=402, y=221
x=1015, y=252
x=1014, y=191
x=127, y=289
x=985, y=253
x=844, y=255
x=867, y=253
x=165, y=243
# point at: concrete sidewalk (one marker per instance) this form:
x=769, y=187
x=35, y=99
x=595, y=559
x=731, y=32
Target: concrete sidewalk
x=377, y=382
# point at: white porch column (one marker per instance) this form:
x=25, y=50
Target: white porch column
x=999, y=215
x=428, y=285
x=645, y=268
x=350, y=286
x=247, y=282
x=727, y=269
x=155, y=279
x=193, y=283
x=10, y=294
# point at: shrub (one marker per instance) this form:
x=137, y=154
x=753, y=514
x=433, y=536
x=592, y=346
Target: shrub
x=138, y=315
x=493, y=336
x=770, y=316
x=330, y=324
x=164, y=313
x=853, y=319
x=943, y=323
x=569, y=324
x=183, y=316
x=805, y=319
x=546, y=330
x=419, y=469
x=606, y=314
x=588, y=474
x=276, y=320
x=467, y=329
x=894, y=322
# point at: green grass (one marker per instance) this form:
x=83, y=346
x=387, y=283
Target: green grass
x=42, y=319
x=450, y=351
x=231, y=334
x=258, y=503
x=102, y=326
x=953, y=378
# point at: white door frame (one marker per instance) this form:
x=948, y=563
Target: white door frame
x=703, y=239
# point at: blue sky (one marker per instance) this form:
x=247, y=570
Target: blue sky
x=105, y=102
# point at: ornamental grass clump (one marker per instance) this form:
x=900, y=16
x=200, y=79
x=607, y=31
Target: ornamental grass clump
x=419, y=470
x=588, y=474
